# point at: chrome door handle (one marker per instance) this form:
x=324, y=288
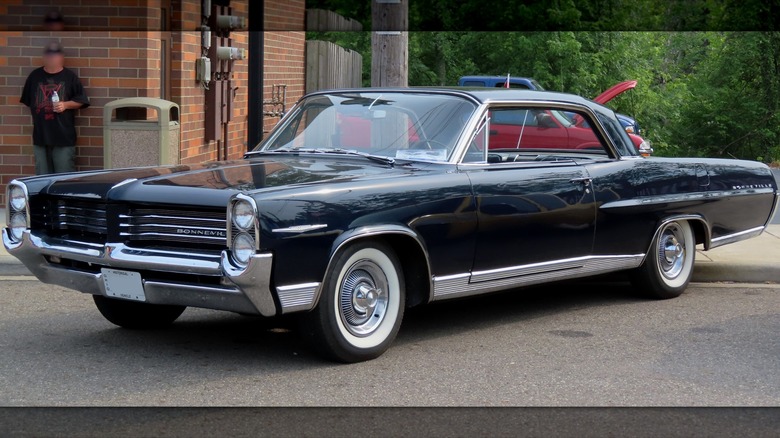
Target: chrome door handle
x=584, y=181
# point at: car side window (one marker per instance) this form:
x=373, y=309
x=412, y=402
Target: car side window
x=534, y=133
x=477, y=148
x=618, y=135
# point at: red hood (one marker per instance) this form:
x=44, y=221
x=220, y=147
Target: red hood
x=614, y=91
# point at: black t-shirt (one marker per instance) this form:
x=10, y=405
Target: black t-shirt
x=50, y=128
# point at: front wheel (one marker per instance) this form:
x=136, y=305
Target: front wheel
x=137, y=315
x=668, y=267
x=361, y=306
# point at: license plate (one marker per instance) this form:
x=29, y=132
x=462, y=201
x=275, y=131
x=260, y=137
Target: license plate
x=123, y=284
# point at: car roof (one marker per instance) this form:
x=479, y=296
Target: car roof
x=479, y=94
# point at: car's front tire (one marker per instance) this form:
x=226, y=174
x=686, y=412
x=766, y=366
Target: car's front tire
x=137, y=315
x=668, y=267
x=361, y=306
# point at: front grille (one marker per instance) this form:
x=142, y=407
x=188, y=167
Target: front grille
x=77, y=220
x=134, y=225
x=169, y=228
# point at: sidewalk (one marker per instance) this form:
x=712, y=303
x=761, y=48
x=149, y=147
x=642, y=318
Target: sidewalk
x=755, y=260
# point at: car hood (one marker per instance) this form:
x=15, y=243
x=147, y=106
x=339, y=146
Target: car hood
x=212, y=183
x=613, y=91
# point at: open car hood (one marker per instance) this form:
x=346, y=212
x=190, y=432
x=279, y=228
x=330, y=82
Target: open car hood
x=613, y=91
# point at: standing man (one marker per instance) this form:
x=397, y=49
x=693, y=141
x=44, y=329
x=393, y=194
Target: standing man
x=54, y=93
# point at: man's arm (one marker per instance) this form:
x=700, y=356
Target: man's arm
x=59, y=107
x=72, y=105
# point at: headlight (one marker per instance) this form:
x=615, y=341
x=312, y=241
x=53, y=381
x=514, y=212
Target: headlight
x=243, y=215
x=243, y=248
x=17, y=225
x=17, y=198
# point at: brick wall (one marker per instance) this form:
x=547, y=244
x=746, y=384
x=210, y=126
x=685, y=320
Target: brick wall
x=82, y=14
x=125, y=62
x=191, y=96
x=111, y=65
x=284, y=46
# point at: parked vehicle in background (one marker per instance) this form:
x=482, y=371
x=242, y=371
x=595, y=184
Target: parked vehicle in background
x=629, y=124
x=499, y=82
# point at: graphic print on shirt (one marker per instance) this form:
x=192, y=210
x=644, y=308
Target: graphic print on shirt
x=43, y=98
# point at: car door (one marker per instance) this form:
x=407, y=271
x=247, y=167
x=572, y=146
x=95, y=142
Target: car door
x=530, y=212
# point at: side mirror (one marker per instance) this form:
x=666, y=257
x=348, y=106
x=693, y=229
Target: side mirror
x=544, y=120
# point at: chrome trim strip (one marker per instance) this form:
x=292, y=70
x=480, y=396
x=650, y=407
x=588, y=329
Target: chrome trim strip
x=172, y=226
x=736, y=237
x=297, y=297
x=377, y=230
x=683, y=197
x=120, y=184
x=465, y=284
x=181, y=237
x=158, y=216
x=299, y=228
x=461, y=147
x=685, y=217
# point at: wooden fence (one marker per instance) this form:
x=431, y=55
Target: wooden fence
x=331, y=66
x=320, y=20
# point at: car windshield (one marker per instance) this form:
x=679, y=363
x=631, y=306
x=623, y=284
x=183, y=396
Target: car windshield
x=412, y=126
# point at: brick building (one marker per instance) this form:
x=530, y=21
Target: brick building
x=148, y=48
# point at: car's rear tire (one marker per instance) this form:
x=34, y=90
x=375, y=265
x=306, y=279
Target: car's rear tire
x=361, y=306
x=136, y=315
x=668, y=266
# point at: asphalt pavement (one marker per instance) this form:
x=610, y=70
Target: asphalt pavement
x=586, y=343
x=570, y=344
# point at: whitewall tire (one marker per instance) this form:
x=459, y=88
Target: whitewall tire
x=668, y=266
x=361, y=305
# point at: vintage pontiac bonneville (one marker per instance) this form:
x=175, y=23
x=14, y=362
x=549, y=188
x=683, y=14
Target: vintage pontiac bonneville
x=364, y=202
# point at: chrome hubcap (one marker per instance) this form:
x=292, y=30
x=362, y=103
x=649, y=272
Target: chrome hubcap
x=363, y=298
x=671, y=251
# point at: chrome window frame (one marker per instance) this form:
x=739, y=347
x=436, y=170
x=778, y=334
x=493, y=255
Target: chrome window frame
x=461, y=147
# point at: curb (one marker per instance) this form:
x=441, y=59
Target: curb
x=12, y=267
x=713, y=272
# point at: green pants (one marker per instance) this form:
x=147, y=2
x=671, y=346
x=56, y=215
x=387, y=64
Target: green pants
x=55, y=159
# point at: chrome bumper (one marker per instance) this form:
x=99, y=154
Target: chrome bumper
x=244, y=290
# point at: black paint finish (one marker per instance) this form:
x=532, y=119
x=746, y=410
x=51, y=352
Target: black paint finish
x=464, y=217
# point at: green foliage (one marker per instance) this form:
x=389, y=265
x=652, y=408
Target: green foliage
x=698, y=94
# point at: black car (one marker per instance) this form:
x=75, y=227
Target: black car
x=364, y=202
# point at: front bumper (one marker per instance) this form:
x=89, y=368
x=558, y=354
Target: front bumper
x=243, y=290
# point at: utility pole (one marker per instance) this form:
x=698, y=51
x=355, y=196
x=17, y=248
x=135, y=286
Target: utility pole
x=389, y=43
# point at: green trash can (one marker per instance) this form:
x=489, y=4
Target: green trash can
x=140, y=131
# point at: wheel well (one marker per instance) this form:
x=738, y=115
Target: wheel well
x=417, y=278
x=699, y=232
x=699, y=228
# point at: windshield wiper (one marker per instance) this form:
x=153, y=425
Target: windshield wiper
x=375, y=158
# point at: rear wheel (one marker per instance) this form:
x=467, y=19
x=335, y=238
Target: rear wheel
x=137, y=315
x=668, y=267
x=361, y=306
